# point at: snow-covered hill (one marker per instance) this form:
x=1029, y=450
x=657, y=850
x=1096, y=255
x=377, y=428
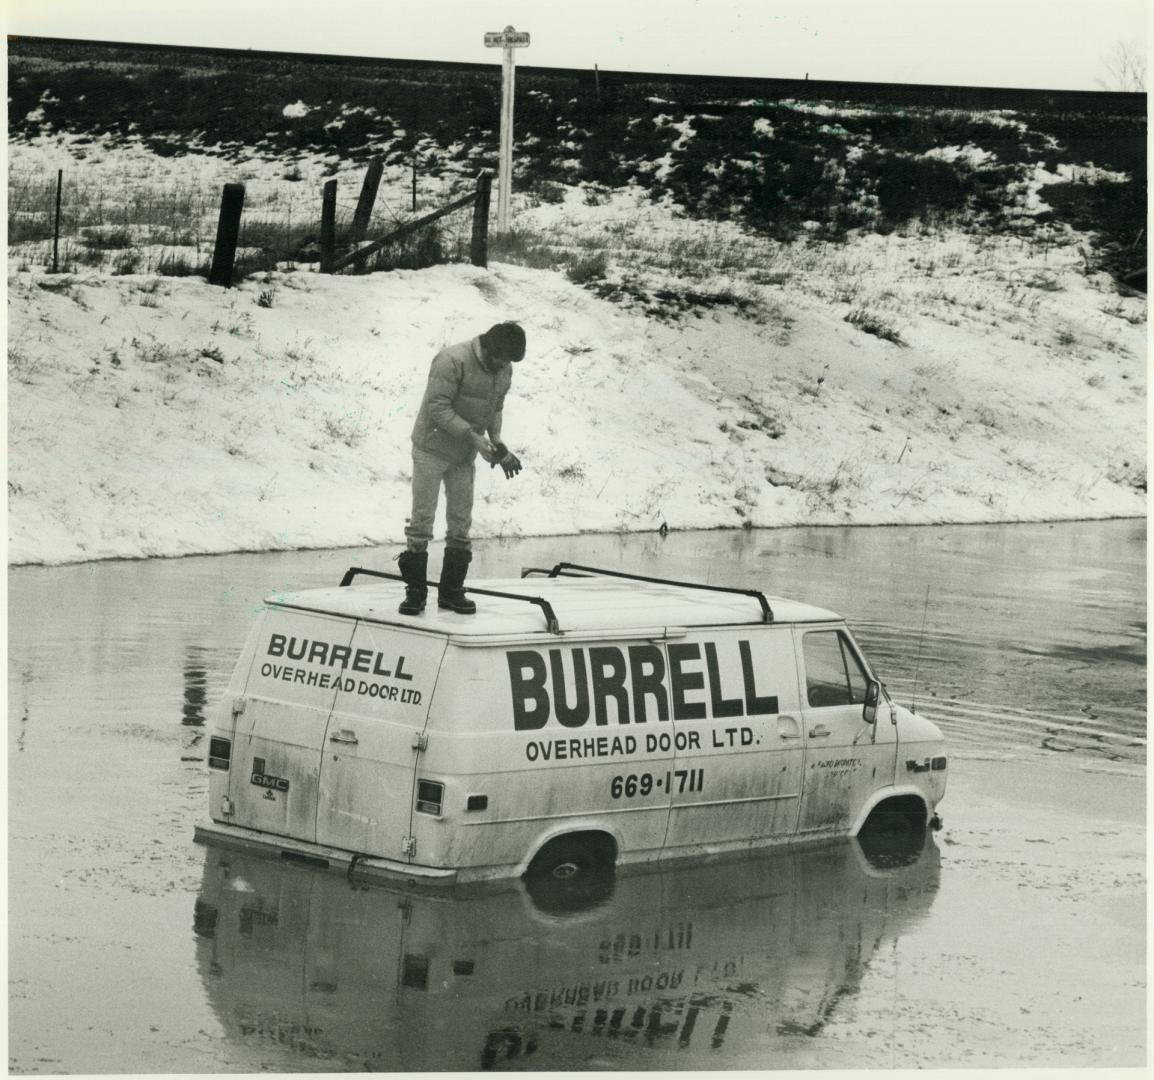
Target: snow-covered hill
x=940, y=378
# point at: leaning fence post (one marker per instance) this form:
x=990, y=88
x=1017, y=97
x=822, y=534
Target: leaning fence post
x=227, y=235
x=479, y=250
x=328, y=226
x=364, y=209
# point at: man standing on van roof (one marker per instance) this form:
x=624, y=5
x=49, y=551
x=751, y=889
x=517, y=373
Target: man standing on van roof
x=460, y=417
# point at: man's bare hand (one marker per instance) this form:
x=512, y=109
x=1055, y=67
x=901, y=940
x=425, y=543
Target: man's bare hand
x=484, y=447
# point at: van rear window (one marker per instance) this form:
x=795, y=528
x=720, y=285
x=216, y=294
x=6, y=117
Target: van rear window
x=833, y=673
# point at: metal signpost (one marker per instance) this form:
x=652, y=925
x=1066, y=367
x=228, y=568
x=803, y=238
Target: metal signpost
x=507, y=39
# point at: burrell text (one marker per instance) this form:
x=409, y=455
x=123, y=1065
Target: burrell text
x=325, y=654
x=577, y=685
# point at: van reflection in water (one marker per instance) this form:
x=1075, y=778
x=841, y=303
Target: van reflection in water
x=679, y=968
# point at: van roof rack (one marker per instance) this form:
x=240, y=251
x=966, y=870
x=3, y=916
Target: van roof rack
x=546, y=608
x=568, y=569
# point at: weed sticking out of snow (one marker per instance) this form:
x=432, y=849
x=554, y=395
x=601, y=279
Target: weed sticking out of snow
x=870, y=322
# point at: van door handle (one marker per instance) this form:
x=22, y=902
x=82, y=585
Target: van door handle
x=784, y=720
x=819, y=732
x=344, y=736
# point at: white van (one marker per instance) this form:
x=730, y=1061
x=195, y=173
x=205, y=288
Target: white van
x=583, y=718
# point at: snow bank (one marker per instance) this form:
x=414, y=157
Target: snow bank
x=152, y=416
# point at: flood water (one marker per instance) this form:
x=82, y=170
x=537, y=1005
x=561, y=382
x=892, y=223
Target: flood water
x=1014, y=936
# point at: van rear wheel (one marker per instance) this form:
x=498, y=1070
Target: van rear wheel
x=562, y=871
x=572, y=874
x=567, y=859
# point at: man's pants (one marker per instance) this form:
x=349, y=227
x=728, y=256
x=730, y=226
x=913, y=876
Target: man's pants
x=429, y=472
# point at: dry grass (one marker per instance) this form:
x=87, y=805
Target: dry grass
x=141, y=220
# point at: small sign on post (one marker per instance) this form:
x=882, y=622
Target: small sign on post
x=507, y=40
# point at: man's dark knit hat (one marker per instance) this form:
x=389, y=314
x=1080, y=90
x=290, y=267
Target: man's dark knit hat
x=505, y=340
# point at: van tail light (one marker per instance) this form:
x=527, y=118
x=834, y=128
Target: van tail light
x=219, y=752
x=204, y=919
x=430, y=796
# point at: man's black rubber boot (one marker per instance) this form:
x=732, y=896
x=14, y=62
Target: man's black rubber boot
x=414, y=566
x=450, y=593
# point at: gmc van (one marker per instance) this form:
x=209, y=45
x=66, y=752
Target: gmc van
x=583, y=718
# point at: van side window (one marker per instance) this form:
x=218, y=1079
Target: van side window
x=833, y=674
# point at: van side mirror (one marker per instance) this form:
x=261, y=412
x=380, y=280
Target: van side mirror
x=869, y=713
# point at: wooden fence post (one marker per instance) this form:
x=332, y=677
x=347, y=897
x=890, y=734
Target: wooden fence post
x=364, y=211
x=479, y=250
x=227, y=235
x=328, y=226
x=56, y=228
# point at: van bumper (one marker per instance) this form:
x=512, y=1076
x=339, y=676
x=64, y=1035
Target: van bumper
x=320, y=855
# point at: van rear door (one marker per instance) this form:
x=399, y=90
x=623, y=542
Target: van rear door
x=374, y=736
x=281, y=722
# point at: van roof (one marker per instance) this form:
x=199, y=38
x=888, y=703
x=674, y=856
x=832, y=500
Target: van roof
x=582, y=605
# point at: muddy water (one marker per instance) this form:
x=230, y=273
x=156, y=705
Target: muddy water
x=1015, y=936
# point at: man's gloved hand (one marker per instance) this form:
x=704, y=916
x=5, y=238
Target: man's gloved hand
x=509, y=462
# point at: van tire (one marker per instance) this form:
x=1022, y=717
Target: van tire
x=895, y=833
x=570, y=858
x=572, y=874
x=892, y=825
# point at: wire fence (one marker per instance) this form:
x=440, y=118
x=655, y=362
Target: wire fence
x=134, y=220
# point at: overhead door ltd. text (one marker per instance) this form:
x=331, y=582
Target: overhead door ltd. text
x=339, y=659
